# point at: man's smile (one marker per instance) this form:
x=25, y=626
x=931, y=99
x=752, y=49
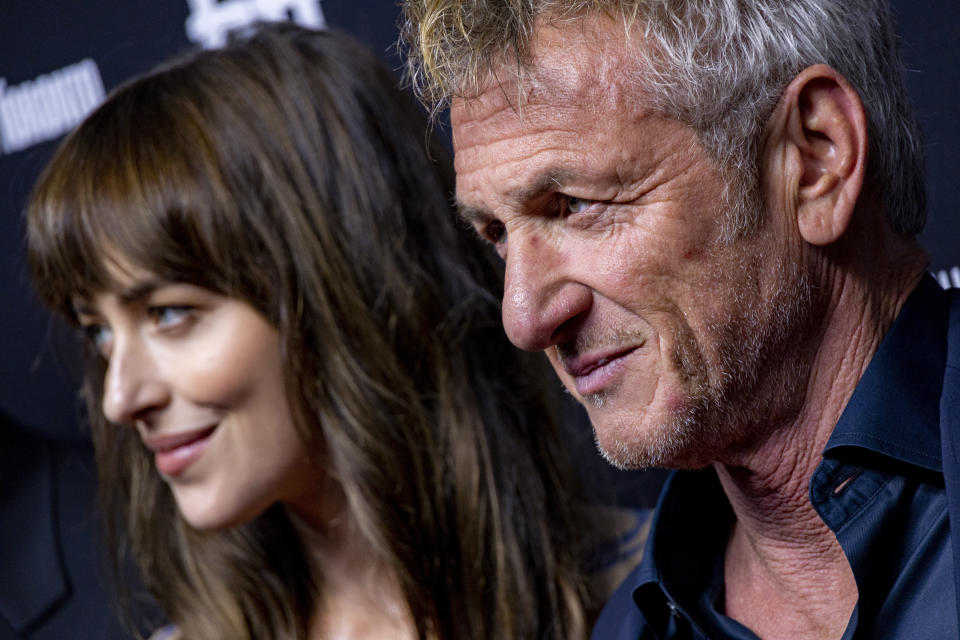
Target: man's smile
x=593, y=372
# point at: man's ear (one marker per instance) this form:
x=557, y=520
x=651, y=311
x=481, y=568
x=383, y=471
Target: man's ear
x=822, y=126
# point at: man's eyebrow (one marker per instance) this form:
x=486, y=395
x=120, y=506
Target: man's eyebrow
x=545, y=182
x=471, y=214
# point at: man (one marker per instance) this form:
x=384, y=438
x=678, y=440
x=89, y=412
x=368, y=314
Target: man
x=707, y=214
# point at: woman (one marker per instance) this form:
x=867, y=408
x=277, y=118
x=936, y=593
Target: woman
x=330, y=436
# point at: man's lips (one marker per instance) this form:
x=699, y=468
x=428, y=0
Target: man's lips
x=593, y=372
x=581, y=365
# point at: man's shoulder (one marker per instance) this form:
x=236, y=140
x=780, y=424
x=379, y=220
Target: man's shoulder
x=620, y=618
x=625, y=568
x=950, y=401
x=691, y=505
x=953, y=342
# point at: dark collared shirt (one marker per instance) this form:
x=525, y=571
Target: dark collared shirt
x=879, y=488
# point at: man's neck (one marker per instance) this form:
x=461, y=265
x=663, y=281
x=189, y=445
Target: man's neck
x=785, y=573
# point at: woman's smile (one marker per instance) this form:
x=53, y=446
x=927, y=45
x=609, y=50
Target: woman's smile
x=175, y=452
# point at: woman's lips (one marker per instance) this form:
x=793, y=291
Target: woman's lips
x=175, y=452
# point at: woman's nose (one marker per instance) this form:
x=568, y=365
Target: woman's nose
x=132, y=386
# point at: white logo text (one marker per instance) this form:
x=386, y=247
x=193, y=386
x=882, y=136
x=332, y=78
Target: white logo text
x=211, y=21
x=44, y=108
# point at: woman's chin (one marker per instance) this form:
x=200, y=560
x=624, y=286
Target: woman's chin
x=215, y=515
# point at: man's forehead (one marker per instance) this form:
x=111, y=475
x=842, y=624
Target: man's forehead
x=516, y=150
x=573, y=51
x=570, y=62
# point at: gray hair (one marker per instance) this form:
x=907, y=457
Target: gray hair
x=718, y=65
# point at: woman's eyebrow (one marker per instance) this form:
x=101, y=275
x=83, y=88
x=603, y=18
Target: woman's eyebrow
x=139, y=290
x=82, y=307
x=129, y=295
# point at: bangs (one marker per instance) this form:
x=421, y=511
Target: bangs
x=137, y=183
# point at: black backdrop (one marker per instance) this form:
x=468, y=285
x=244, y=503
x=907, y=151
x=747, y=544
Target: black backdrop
x=57, y=57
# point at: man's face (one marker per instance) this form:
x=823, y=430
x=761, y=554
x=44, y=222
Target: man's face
x=610, y=217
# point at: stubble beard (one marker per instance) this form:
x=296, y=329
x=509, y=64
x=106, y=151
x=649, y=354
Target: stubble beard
x=754, y=383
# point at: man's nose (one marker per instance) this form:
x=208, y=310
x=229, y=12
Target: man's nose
x=132, y=387
x=541, y=299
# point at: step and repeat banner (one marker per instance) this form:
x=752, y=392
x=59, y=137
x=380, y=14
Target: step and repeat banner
x=57, y=60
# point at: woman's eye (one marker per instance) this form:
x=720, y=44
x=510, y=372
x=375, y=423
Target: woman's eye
x=169, y=316
x=99, y=336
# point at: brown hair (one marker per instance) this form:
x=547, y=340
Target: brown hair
x=287, y=170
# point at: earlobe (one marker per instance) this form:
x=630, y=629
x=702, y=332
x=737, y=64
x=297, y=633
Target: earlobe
x=827, y=126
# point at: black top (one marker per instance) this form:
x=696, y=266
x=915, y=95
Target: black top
x=54, y=582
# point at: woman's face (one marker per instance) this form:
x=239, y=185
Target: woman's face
x=200, y=377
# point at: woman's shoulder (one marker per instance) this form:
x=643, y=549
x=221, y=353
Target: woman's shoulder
x=169, y=632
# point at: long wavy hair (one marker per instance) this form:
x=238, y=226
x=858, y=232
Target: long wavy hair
x=287, y=170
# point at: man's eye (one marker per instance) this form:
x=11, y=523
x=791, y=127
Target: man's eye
x=575, y=205
x=494, y=232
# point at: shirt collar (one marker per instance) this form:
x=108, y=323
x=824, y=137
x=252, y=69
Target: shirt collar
x=690, y=527
x=895, y=409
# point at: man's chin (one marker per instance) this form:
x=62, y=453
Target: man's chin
x=670, y=443
x=632, y=459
